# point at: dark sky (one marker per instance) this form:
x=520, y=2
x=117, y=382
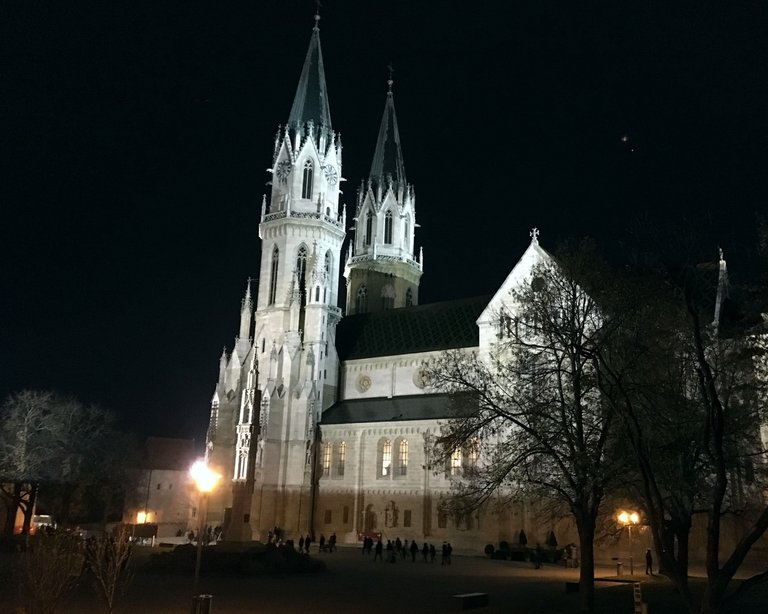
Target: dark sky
x=135, y=138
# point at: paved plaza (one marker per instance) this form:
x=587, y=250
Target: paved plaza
x=354, y=583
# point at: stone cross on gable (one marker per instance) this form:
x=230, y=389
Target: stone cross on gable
x=534, y=234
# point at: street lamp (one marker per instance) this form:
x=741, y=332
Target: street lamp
x=205, y=481
x=628, y=519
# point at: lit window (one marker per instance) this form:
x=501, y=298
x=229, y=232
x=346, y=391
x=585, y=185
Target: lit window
x=273, y=278
x=456, y=462
x=326, y=459
x=386, y=457
x=403, y=457
x=473, y=451
x=388, y=228
x=342, y=458
x=306, y=183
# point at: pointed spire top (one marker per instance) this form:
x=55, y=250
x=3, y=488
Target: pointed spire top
x=534, y=234
x=311, y=101
x=318, y=4
x=388, y=157
x=247, y=299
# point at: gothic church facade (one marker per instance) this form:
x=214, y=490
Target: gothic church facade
x=321, y=421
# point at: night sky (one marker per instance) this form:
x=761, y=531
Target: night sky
x=135, y=138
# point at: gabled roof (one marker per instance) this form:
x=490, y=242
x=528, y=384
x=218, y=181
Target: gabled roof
x=423, y=328
x=416, y=407
x=311, y=100
x=532, y=257
x=388, y=157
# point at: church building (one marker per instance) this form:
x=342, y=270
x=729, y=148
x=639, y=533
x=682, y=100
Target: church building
x=321, y=421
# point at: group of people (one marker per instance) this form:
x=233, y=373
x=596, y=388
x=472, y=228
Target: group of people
x=323, y=545
x=404, y=550
x=210, y=535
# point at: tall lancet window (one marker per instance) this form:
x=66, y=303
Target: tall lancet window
x=368, y=229
x=361, y=300
x=306, y=181
x=388, y=228
x=301, y=271
x=328, y=265
x=273, y=275
x=406, y=229
x=409, y=298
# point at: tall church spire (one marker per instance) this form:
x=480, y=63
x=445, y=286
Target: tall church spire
x=311, y=101
x=382, y=272
x=388, y=157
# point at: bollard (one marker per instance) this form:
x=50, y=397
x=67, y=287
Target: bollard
x=618, y=568
x=202, y=604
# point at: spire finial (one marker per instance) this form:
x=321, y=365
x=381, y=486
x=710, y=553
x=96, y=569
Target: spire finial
x=390, y=81
x=317, y=15
x=534, y=234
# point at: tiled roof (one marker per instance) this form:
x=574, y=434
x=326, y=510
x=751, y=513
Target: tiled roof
x=416, y=407
x=423, y=328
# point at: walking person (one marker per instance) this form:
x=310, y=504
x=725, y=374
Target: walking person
x=301, y=544
x=432, y=553
x=332, y=542
x=322, y=543
x=414, y=551
x=425, y=552
x=404, y=550
x=379, y=553
x=648, y=563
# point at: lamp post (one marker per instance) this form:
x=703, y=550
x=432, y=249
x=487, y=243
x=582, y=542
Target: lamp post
x=628, y=519
x=205, y=481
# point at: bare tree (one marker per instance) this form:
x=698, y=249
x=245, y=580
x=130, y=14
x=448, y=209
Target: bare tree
x=689, y=398
x=108, y=561
x=535, y=411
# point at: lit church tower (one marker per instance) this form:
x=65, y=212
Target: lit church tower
x=381, y=270
x=296, y=314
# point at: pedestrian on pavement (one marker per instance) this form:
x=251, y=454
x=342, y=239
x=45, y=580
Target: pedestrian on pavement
x=379, y=554
x=301, y=544
x=448, y=552
x=425, y=552
x=332, y=542
x=648, y=562
x=414, y=551
x=444, y=553
x=405, y=549
x=432, y=553
x=322, y=543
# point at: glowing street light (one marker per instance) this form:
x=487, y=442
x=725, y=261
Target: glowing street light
x=205, y=481
x=628, y=519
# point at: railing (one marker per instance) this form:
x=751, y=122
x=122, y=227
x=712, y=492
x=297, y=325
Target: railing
x=306, y=215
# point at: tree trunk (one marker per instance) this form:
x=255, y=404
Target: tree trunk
x=29, y=510
x=586, y=529
x=13, y=501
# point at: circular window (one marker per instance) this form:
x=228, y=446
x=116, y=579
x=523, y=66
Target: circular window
x=537, y=284
x=420, y=378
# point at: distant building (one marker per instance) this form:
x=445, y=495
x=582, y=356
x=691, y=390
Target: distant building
x=164, y=502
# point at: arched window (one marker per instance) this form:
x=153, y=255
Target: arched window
x=341, y=459
x=402, y=457
x=409, y=297
x=361, y=300
x=317, y=294
x=388, y=228
x=326, y=467
x=368, y=228
x=406, y=235
x=306, y=181
x=273, y=275
x=386, y=458
x=388, y=297
x=328, y=266
x=473, y=452
x=456, y=462
x=301, y=270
